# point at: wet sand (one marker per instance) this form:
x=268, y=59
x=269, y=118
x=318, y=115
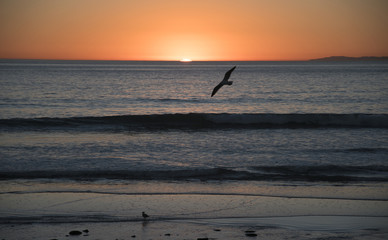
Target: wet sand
x=218, y=210
x=242, y=228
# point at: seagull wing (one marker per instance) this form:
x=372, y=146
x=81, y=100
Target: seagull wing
x=217, y=88
x=228, y=73
x=224, y=81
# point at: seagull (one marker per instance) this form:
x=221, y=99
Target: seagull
x=145, y=215
x=224, y=81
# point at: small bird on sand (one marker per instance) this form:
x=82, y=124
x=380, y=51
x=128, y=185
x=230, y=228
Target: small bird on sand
x=145, y=215
x=224, y=81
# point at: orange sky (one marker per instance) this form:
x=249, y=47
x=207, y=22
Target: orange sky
x=197, y=29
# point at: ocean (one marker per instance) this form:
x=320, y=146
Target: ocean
x=102, y=141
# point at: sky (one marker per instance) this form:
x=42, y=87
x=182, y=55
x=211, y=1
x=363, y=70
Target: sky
x=194, y=29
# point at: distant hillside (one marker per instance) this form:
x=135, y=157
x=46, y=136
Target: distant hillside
x=343, y=58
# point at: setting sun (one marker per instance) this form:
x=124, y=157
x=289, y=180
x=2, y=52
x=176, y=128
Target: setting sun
x=185, y=60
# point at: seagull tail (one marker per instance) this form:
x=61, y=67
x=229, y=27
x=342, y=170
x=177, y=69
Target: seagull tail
x=230, y=82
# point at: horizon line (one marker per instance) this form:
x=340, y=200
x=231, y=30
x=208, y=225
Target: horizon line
x=178, y=60
x=148, y=60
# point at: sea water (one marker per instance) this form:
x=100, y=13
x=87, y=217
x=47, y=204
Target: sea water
x=77, y=135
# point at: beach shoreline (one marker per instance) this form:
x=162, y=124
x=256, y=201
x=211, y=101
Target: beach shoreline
x=298, y=227
x=44, y=209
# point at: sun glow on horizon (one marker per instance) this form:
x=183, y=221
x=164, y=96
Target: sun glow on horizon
x=185, y=31
x=186, y=60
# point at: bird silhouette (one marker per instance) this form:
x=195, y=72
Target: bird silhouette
x=145, y=215
x=224, y=81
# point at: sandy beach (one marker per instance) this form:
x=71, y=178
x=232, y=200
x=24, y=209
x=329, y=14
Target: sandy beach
x=51, y=210
x=328, y=227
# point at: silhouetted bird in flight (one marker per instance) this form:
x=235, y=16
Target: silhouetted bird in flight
x=145, y=215
x=224, y=81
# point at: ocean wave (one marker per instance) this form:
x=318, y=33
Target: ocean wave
x=203, y=120
x=327, y=173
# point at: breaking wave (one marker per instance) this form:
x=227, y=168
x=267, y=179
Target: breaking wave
x=203, y=120
x=327, y=173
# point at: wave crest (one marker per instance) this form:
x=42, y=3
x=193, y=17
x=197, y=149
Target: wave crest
x=206, y=120
x=328, y=173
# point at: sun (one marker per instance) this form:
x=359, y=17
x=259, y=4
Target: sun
x=185, y=60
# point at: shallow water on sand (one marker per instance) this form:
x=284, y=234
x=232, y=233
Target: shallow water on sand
x=123, y=201
x=191, y=210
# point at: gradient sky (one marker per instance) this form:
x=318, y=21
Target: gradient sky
x=197, y=29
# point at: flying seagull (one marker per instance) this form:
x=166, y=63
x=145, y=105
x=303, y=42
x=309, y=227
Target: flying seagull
x=224, y=81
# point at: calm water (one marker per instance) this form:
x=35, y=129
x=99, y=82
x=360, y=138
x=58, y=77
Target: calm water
x=68, y=88
x=305, y=123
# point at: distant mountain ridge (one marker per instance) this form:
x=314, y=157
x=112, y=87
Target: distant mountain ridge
x=344, y=58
